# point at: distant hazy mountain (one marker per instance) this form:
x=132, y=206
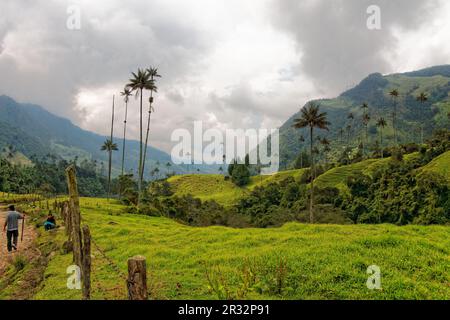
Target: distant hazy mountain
x=32, y=130
x=374, y=90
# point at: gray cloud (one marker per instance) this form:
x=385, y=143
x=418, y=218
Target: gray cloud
x=47, y=63
x=221, y=61
x=337, y=48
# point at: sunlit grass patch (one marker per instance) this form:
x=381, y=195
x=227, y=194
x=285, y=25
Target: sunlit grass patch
x=296, y=261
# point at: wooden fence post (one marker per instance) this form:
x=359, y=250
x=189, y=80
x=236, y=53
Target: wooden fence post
x=81, y=240
x=86, y=266
x=137, y=279
x=75, y=218
x=67, y=220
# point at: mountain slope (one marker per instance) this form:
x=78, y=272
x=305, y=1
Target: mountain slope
x=32, y=130
x=440, y=164
x=215, y=187
x=374, y=90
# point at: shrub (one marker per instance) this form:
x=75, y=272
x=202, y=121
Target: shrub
x=240, y=175
x=19, y=262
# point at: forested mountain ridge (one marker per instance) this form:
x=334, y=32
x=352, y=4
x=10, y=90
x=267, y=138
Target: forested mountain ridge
x=374, y=91
x=32, y=131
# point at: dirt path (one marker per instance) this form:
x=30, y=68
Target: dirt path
x=24, y=247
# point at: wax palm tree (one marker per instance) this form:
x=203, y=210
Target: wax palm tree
x=341, y=134
x=301, y=139
x=394, y=95
x=326, y=148
x=312, y=118
x=350, y=118
x=139, y=82
x=126, y=93
x=422, y=97
x=109, y=147
x=381, y=123
x=153, y=74
x=366, y=120
x=349, y=130
x=365, y=107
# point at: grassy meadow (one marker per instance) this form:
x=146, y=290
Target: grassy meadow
x=296, y=261
x=440, y=164
x=224, y=192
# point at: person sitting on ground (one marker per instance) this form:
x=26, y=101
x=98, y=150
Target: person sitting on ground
x=50, y=223
x=12, y=222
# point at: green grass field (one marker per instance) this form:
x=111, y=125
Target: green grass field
x=295, y=261
x=337, y=177
x=440, y=164
x=207, y=187
x=215, y=187
x=14, y=198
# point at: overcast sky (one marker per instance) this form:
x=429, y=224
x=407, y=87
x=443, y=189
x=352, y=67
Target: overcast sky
x=230, y=63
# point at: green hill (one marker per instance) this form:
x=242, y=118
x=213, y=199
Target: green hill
x=295, y=261
x=207, y=187
x=337, y=177
x=440, y=164
x=224, y=192
x=215, y=187
x=15, y=157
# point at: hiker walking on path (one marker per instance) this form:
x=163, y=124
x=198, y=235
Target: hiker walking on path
x=12, y=227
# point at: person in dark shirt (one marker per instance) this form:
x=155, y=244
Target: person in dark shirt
x=50, y=223
x=12, y=227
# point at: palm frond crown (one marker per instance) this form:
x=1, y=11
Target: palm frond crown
x=140, y=81
x=108, y=145
x=312, y=117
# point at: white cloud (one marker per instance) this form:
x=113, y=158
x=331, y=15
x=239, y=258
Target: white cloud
x=424, y=47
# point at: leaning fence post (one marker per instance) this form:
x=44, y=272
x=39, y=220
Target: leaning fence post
x=67, y=219
x=74, y=210
x=86, y=266
x=137, y=278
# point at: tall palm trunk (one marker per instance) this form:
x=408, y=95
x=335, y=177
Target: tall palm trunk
x=110, y=152
x=367, y=139
x=394, y=115
x=381, y=143
x=148, y=130
x=311, y=201
x=109, y=173
x=124, y=135
x=348, y=138
x=140, y=150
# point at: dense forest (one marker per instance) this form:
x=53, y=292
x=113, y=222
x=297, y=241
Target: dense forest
x=46, y=176
x=396, y=192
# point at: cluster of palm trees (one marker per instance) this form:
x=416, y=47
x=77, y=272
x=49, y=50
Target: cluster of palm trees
x=141, y=81
x=312, y=118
